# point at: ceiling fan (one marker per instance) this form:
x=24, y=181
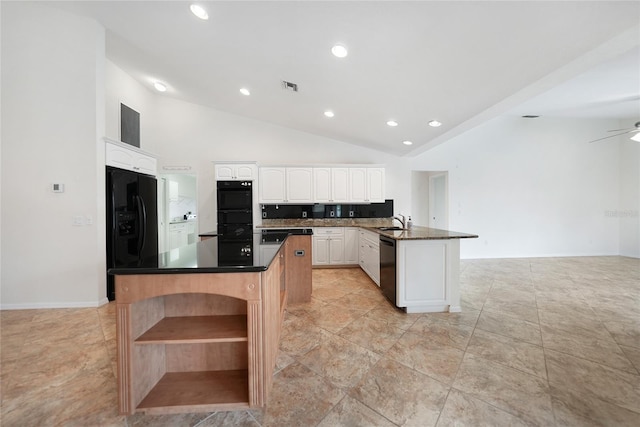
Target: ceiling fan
x=635, y=129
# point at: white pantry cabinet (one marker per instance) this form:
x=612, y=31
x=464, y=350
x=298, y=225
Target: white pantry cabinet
x=129, y=159
x=234, y=172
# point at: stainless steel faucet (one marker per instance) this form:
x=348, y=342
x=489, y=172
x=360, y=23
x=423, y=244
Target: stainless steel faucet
x=403, y=221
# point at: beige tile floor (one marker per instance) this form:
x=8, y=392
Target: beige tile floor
x=539, y=342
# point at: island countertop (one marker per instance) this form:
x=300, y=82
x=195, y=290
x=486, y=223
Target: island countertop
x=207, y=256
x=421, y=233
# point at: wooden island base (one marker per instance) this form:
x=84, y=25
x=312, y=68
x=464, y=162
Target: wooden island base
x=198, y=341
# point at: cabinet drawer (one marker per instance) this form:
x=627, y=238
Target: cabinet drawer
x=328, y=231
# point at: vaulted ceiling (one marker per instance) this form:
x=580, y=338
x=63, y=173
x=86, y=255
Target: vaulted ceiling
x=411, y=62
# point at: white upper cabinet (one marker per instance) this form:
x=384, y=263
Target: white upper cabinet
x=299, y=185
x=234, y=172
x=358, y=180
x=340, y=185
x=304, y=185
x=331, y=185
x=367, y=185
x=322, y=185
x=273, y=185
x=129, y=159
x=375, y=185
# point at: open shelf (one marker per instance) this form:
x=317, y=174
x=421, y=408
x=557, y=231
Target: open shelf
x=196, y=391
x=196, y=329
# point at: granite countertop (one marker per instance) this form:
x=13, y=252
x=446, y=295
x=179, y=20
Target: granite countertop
x=421, y=233
x=208, y=256
x=371, y=224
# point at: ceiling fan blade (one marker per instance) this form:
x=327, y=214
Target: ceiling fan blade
x=620, y=130
x=612, y=136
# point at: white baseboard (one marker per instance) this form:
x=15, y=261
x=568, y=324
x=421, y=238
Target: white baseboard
x=47, y=305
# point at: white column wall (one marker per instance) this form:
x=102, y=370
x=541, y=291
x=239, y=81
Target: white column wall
x=52, y=111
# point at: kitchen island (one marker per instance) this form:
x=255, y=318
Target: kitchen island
x=420, y=270
x=199, y=334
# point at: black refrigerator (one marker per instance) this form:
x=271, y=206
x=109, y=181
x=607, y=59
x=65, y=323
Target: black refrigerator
x=132, y=221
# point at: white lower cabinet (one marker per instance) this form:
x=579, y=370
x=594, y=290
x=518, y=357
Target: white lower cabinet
x=428, y=275
x=178, y=235
x=351, y=246
x=335, y=245
x=369, y=254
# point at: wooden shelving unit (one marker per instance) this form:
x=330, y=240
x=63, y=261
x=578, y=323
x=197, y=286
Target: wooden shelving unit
x=198, y=342
x=196, y=329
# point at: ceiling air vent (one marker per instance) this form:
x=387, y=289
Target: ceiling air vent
x=289, y=86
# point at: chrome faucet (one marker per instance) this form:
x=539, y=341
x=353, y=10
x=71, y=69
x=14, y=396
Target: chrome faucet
x=402, y=221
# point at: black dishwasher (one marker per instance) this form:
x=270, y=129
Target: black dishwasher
x=388, y=268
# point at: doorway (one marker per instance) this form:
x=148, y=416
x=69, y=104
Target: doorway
x=429, y=198
x=438, y=217
x=177, y=211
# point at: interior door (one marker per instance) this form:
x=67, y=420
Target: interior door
x=438, y=201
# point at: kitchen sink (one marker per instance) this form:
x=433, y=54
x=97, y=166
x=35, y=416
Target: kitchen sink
x=390, y=228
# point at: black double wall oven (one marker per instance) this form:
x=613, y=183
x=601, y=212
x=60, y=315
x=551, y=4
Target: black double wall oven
x=235, y=222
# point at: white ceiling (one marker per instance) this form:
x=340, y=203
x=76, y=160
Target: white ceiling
x=458, y=62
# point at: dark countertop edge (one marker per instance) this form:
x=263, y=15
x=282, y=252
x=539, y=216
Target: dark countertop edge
x=149, y=270
x=391, y=234
x=208, y=234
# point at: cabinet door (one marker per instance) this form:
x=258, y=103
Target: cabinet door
x=375, y=184
x=340, y=185
x=273, y=185
x=224, y=172
x=145, y=164
x=322, y=185
x=244, y=172
x=299, y=185
x=336, y=250
x=351, y=245
x=119, y=157
x=358, y=184
x=320, y=250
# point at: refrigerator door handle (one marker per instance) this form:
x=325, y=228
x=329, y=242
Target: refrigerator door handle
x=142, y=215
x=114, y=225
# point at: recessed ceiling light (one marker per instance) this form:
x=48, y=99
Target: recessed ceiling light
x=392, y=123
x=407, y=142
x=160, y=87
x=329, y=113
x=245, y=91
x=434, y=123
x=339, y=50
x=199, y=11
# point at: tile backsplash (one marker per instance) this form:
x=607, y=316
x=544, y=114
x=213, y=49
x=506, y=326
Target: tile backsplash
x=372, y=210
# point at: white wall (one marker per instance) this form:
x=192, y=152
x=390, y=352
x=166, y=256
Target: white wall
x=52, y=111
x=629, y=206
x=189, y=134
x=532, y=187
